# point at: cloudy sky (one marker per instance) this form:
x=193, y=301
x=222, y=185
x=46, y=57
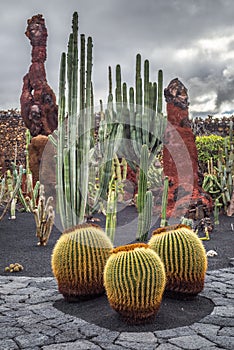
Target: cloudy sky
x=189, y=39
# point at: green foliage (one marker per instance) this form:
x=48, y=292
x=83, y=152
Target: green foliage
x=218, y=181
x=211, y=146
x=134, y=279
x=184, y=258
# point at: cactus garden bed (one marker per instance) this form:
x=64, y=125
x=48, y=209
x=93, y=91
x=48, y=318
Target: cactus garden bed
x=19, y=245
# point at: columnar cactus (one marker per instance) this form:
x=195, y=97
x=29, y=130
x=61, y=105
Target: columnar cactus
x=78, y=261
x=134, y=278
x=184, y=258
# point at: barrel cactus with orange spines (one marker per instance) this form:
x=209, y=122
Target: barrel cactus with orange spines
x=134, y=279
x=78, y=261
x=184, y=258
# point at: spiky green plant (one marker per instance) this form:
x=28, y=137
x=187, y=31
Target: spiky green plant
x=134, y=279
x=10, y=189
x=43, y=214
x=74, y=125
x=184, y=258
x=139, y=110
x=78, y=261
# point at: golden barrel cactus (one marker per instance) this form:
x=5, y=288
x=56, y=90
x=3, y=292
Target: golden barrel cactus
x=134, y=279
x=184, y=258
x=78, y=261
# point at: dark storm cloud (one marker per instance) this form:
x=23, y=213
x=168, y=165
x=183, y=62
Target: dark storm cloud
x=159, y=29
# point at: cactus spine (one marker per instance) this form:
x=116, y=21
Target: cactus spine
x=184, y=258
x=134, y=279
x=78, y=261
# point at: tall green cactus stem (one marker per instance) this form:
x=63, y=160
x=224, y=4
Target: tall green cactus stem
x=115, y=194
x=164, y=202
x=144, y=198
x=2, y=189
x=140, y=112
x=111, y=210
x=44, y=216
x=74, y=130
x=184, y=258
x=134, y=279
x=78, y=261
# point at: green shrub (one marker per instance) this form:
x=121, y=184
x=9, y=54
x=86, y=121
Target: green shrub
x=210, y=147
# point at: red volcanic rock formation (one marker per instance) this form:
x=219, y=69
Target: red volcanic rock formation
x=38, y=102
x=180, y=159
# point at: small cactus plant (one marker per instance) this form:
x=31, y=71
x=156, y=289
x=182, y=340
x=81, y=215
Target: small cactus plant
x=78, y=261
x=184, y=258
x=134, y=278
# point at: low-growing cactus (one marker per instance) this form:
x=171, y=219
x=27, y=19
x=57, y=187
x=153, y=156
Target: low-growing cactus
x=134, y=278
x=78, y=261
x=184, y=258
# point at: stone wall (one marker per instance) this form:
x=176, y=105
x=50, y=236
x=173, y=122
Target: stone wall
x=12, y=139
x=211, y=125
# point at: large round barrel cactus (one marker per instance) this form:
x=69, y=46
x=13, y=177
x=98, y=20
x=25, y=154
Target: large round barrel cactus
x=134, y=278
x=78, y=261
x=184, y=258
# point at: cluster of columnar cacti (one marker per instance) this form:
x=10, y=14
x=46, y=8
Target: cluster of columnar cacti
x=78, y=261
x=109, y=140
x=140, y=111
x=134, y=279
x=183, y=256
x=74, y=125
x=10, y=187
x=44, y=215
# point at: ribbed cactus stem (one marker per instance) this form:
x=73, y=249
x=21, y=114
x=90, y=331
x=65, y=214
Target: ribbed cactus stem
x=164, y=202
x=118, y=93
x=111, y=211
x=184, y=258
x=78, y=261
x=160, y=91
x=84, y=166
x=144, y=198
x=216, y=212
x=142, y=183
x=134, y=279
x=145, y=217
